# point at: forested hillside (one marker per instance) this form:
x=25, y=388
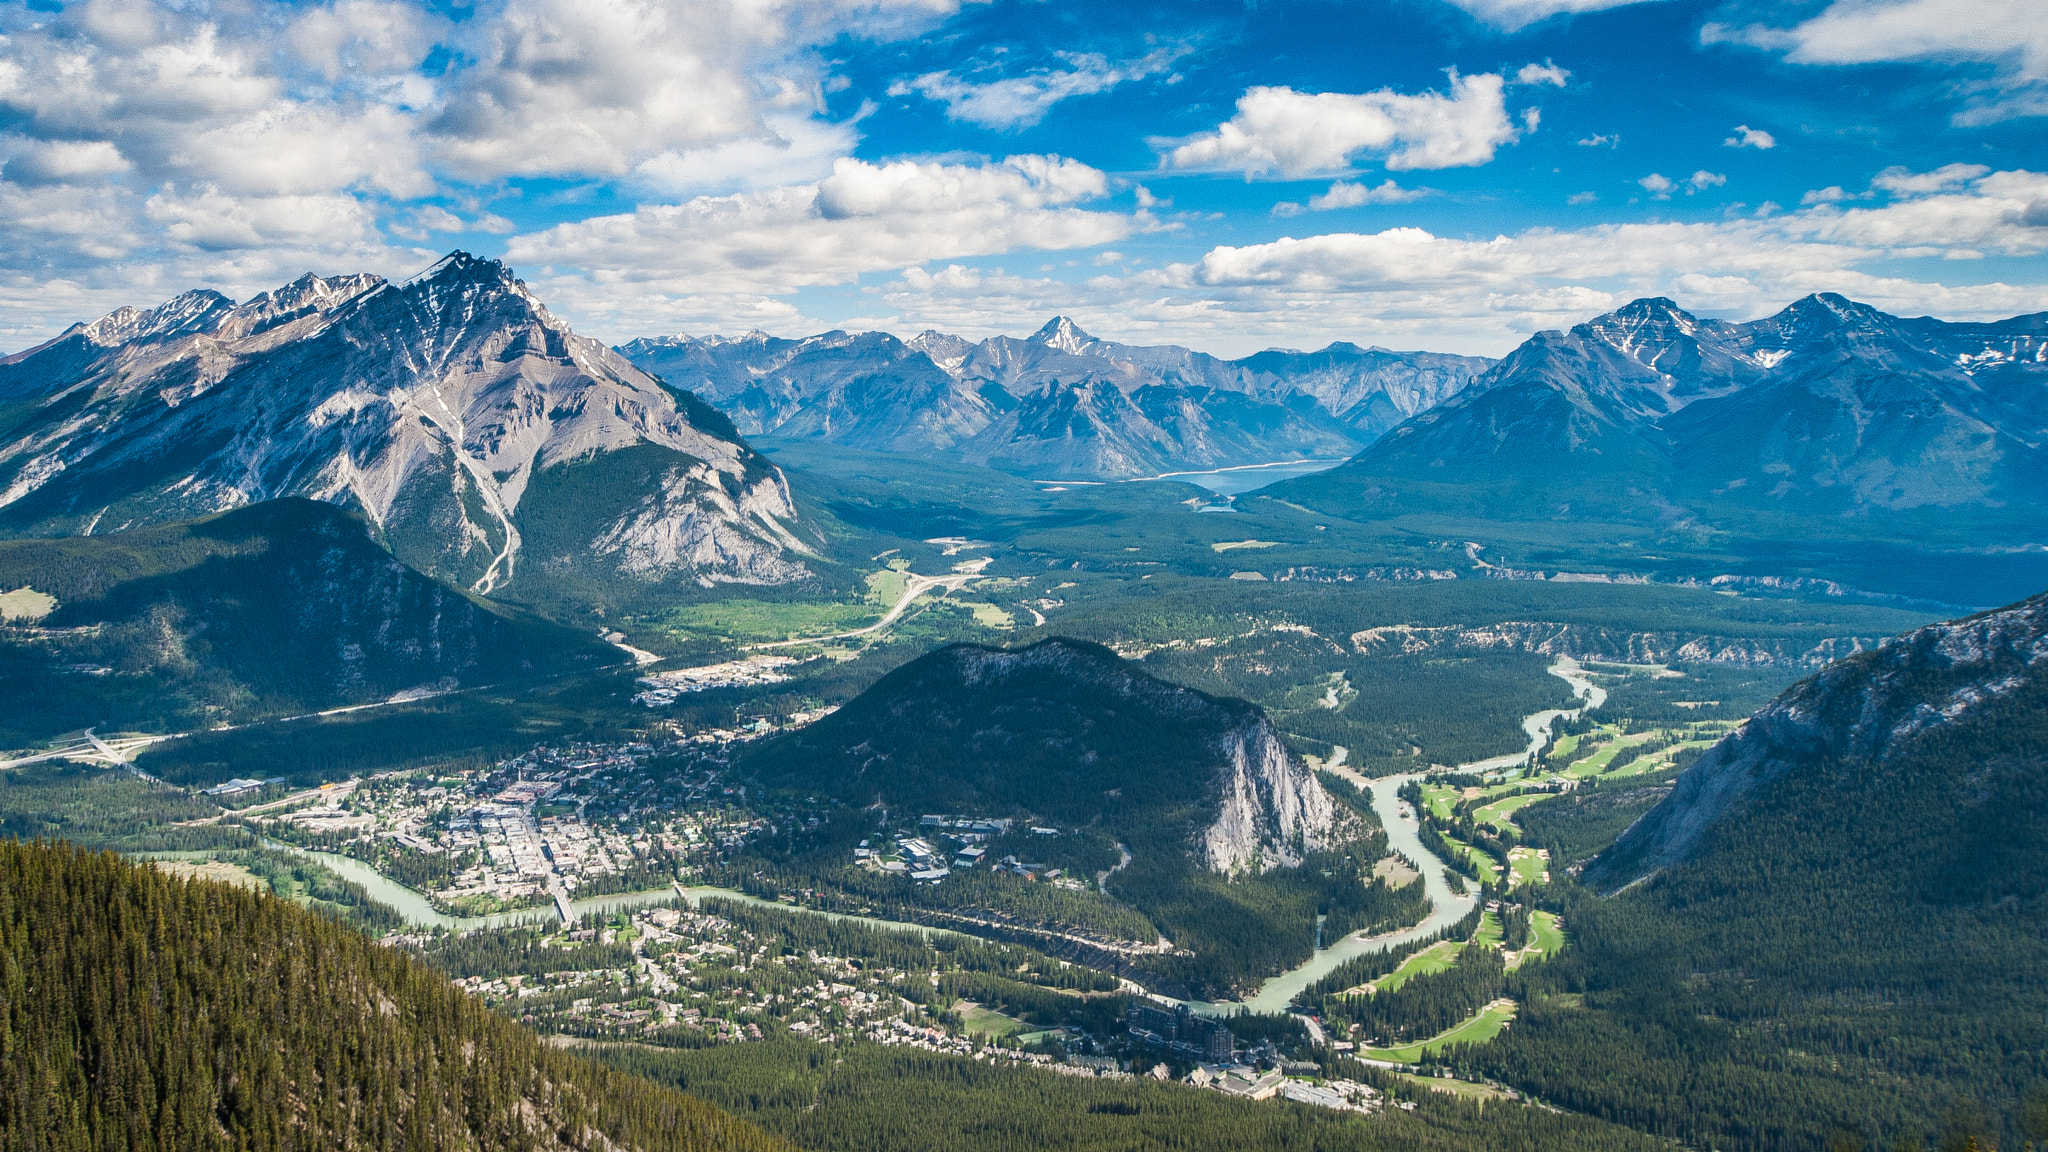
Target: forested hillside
x=1834, y=924
x=281, y=607
x=142, y=1011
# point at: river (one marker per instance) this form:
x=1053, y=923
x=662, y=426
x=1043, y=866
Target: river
x=416, y=911
x=1445, y=908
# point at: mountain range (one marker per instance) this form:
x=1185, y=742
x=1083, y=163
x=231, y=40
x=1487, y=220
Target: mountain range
x=486, y=442
x=1058, y=403
x=1829, y=408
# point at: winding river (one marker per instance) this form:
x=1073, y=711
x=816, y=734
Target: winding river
x=1446, y=908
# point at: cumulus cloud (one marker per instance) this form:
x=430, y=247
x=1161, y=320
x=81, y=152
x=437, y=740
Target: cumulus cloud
x=1544, y=73
x=309, y=132
x=1409, y=287
x=1022, y=101
x=1296, y=134
x=1512, y=15
x=1345, y=194
x=1702, y=180
x=863, y=218
x=1747, y=137
x=1658, y=185
x=2009, y=35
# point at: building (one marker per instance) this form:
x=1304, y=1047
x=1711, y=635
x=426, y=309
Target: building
x=234, y=787
x=1181, y=1032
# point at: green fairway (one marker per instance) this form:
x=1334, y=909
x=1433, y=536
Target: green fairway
x=1435, y=958
x=1500, y=812
x=1480, y=1027
x=1545, y=933
x=1489, y=930
x=1527, y=866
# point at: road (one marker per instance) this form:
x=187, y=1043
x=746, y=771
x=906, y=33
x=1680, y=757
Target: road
x=914, y=587
x=91, y=747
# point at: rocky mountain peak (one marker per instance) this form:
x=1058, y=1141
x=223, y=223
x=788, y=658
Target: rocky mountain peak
x=187, y=312
x=1063, y=334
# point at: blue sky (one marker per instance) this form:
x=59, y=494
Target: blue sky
x=1415, y=173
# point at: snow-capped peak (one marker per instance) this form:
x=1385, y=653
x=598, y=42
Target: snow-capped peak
x=1063, y=334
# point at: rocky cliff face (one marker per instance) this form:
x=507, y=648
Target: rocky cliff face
x=1059, y=402
x=445, y=409
x=1066, y=731
x=1875, y=708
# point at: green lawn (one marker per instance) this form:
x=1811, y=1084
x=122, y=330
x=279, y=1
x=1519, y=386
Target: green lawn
x=1480, y=1027
x=1528, y=866
x=1435, y=958
x=767, y=620
x=1545, y=933
x=988, y=1023
x=1499, y=812
x=1489, y=929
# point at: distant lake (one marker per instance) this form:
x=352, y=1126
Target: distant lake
x=1232, y=481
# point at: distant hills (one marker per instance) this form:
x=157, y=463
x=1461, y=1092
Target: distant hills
x=284, y=607
x=190, y=1015
x=1058, y=403
x=487, y=444
x=1649, y=414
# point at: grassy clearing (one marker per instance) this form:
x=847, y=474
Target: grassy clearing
x=1464, y=1089
x=988, y=615
x=765, y=620
x=1489, y=930
x=219, y=870
x=988, y=1023
x=1478, y=1028
x=26, y=604
x=1546, y=933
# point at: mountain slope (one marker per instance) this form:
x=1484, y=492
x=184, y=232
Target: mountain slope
x=1048, y=730
x=1837, y=921
x=1651, y=414
x=1196, y=824
x=1058, y=402
x=283, y=607
x=150, y=1011
x=454, y=410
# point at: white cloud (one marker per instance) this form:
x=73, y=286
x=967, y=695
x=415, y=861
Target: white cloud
x=1345, y=194
x=1608, y=141
x=863, y=218
x=1406, y=287
x=2011, y=35
x=1582, y=198
x=1702, y=180
x=1544, y=73
x=795, y=148
x=1747, y=137
x=1947, y=178
x=64, y=162
x=1022, y=101
x=1658, y=185
x=1295, y=134
x=1516, y=14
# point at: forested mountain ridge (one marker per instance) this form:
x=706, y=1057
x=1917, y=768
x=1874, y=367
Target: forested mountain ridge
x=1827, y=407
x=1058, y=402
x=140, y=1010
x=1067, y=731
x=490, y=445
x=284, y=607
x=1876, y=707
x=1836, y=924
